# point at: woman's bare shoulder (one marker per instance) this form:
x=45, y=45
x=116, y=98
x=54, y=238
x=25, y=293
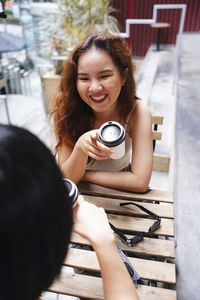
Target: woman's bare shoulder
x=140, y=113
x=141, y=108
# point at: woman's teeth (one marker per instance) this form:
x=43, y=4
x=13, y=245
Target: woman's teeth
x=98, y=98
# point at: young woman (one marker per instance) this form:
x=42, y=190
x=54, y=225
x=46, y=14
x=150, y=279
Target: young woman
x=97, y=85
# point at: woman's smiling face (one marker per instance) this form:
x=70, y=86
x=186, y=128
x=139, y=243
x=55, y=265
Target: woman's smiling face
x=99, y=81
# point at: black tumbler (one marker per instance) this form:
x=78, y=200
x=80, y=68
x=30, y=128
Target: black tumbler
x=72, y=191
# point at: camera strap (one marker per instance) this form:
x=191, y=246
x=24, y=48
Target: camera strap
x=139, y=236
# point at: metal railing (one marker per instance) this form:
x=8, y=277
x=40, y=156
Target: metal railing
x=17, y=80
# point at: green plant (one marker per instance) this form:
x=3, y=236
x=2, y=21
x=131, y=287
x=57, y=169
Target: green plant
x=79, y=18
x=10, y=17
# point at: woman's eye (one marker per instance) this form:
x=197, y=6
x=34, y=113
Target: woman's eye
x=105, y=76
x=83, y=79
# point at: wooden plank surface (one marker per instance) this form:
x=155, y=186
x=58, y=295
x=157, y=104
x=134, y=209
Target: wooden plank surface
x=148, y=269
x=91, y=288
x=151, y=195
x=161, y=162
x=156, y=135
x=148, y=246
x=164, y=210
x=157, y=120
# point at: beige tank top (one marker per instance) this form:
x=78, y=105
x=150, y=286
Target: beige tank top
x=114, y=165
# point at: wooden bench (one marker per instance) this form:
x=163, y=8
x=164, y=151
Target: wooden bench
x=160, y=162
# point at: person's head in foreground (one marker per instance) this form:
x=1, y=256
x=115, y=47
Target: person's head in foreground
x=35, y=218
x=75, y=105
x=36, y=223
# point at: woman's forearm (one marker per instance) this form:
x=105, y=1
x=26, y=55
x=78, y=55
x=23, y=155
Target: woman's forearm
x=116, y=279
x=119, y=180
x=91, y=222
x=74, y=166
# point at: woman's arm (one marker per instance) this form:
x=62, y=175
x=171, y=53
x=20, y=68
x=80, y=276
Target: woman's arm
x=73, y=160
x=91, y=222
x=142, y=157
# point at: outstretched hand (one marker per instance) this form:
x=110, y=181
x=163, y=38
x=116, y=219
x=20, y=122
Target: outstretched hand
x=89, y=144
x=91, y=222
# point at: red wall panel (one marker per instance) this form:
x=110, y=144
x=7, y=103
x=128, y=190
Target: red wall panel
x=142, y=36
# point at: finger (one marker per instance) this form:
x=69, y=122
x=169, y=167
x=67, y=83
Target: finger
x=97, y=157
x=94, y=136
x=100, y=148
x=104, y=148
x=98, y=152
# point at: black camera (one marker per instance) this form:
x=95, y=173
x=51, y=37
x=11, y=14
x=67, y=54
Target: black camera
x=2, y=9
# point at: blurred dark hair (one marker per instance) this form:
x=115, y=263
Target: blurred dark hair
x=72, y=116
x=35, y=216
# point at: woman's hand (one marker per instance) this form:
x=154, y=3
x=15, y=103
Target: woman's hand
x=73, y=160
x=91, y=222
x=89, y=144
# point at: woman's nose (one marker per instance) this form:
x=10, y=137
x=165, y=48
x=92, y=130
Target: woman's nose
x=95, y=85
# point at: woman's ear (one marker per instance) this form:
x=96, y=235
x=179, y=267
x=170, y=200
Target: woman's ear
x=124, y=76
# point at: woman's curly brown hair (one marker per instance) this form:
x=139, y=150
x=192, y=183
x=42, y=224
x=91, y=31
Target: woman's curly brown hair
x=71, y=115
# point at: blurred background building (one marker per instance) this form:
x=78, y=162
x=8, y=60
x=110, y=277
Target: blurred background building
x=37, y=18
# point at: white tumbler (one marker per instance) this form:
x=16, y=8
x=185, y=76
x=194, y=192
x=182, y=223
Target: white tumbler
x=112, y=135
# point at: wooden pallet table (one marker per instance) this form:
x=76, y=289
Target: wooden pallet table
x=152, y=258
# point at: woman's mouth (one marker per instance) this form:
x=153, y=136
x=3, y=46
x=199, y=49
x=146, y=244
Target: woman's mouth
x=98, y=98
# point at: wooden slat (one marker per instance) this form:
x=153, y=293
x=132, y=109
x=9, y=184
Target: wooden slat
x=164, y=210
x=78, y=285
x=156, y=135
x=151, y=293
x=161, y=162
x=157, y=120
x=91, y=287
x=152, y=195
x=148, y=269
x=140, y=224
x=148, y=246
